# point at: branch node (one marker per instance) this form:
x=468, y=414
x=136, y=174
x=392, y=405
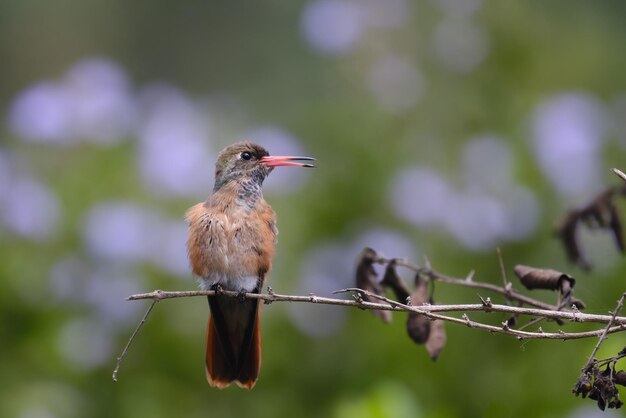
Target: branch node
x=487, y=304
x=470, y=276
x=508, y=290
x=575, y=313
x=467, y=320
x=272, y=295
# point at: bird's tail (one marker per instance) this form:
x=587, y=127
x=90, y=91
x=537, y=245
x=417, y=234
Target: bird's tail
x=233, y=354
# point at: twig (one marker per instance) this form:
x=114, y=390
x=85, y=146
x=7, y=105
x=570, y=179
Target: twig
x=391, y=305
x=619, y=173
x=132, y=337
x=512, y=294
x=614, y=323
x=505, y=281
x=508, y=286
x=620, y=303
x=470, y=282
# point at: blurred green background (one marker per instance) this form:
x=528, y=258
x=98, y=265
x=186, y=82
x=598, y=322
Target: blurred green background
x=443, y=128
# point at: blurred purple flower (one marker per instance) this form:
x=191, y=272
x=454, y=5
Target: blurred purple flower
x=522, y=212
x=325, y=269
x=476, y=221
x=568, y=130
x=170, y=253
x=396, y=83
x=460, y=45
x=101, y=287
x=487, y=164
x=85, y=343
x=280, y=142
x=41, y=113
x=105, y=291
x=487, y=212
x=5, y=175
x=119, y=231
x=103, y=108
x=29, y=209
x=421, y=196
x=92, y=102
x=174, y=150
x=332, y=27
x=126, y=233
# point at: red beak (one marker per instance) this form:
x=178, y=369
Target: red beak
x=277, y=161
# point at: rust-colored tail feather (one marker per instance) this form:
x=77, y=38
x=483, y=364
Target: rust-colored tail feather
x=226, y=364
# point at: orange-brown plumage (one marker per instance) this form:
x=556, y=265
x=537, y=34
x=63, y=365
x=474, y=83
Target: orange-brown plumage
x=231, y=244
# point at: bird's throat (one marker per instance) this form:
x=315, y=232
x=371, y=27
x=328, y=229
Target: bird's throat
x=249, y=192
x=244, y=192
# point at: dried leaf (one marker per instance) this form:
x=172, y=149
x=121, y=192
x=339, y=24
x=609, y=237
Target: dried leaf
x=579, y=304
x=437, y=339
x=512, y=321
x=607, y=393
x=615, y=224
x=393, y=281
x=620, y=378
x=536, y=278
x=567, y=233
x=417, y=325
x=599, y=213
x=367, y=279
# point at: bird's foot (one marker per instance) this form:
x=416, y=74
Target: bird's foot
x=219, y=290
x=241, y=296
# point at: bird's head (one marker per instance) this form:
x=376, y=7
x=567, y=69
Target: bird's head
x=247, y=160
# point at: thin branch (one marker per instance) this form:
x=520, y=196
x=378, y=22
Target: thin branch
x=391, y=305
x=614, y=323
x=505, y=281
x=469, y=281
x=130, y=340
x=511, y=293
x=619, y=173
x=620, y=304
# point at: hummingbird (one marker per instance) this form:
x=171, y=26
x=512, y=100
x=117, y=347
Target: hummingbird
x=231, y=243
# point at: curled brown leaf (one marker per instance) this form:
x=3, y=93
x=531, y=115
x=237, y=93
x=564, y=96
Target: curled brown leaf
x=538, y=278
x=367, y=279
x=418, y=325
x=601, y=213
x=437, y=339
x=394, y=282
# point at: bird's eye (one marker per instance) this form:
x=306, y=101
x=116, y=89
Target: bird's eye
x=246, y=155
